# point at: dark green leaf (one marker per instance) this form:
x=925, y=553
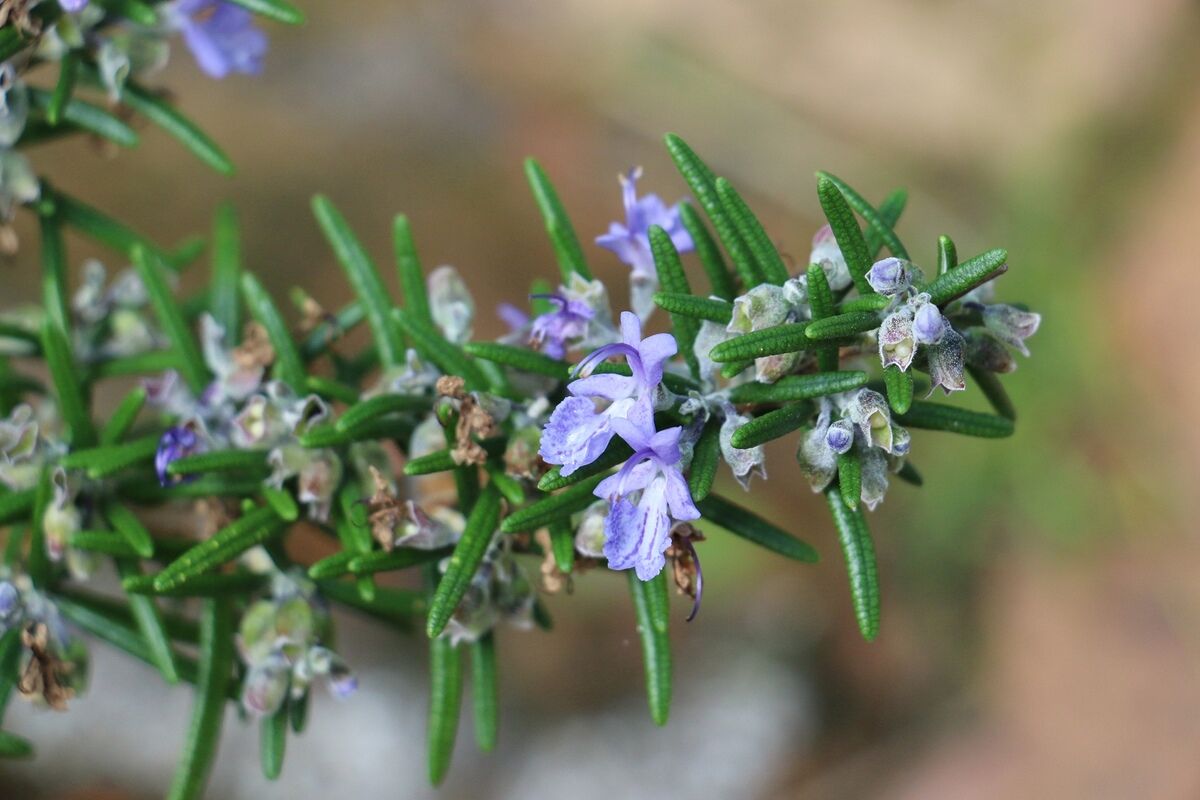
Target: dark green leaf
x=214, y=584
x=85, y=116
x=867, y=212
x=519, y=358
x=542, y=512
x=820, y=300
x=130, y=528
x=869, y=302
x=648, y=599
x=771, y=425
x=100, y=462
x=856, y=543
x=220, y=461
x=149, y=363
x=989, y=383
x=123, y=417
x=947, y=255
x=719, y=279
x=170, y=316
x=289, y=367
x=449, y=358
x=226, y=271
x=706, y=457
x=672, y=278
x=899, y=385
x=966, y=276
x=272, y=742
x=484, y=691
x=445, y=698
x=106, y=542
x=689, y=306
x=889, y=213
x=71, y=401
x=55, y=297
x=464, y=561
x=166, y=116
x=614, y=455
x=13, y=746
x=97, y=225
x=558, y=224
x=850, y=478
x=253, y=528
x=842, y=325
x=766, y=256
x=208, y=708
x=939, y=417
x=909, y=474
x=408, y=265
x=15, y=505
x=150, y=622
x=847, y=233
x=787, y=338
x=753, y=528
x=381, y=405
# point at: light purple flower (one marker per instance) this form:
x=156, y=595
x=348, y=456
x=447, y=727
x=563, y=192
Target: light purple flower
x=577, y=433
x=514, y=318
x=552, y=330
x=1011, y=325
x=928, y=324
x=896, y=343
x=639, y=530
x=891, y=276
x=72, y=6
x=222, y=36
x=631, y=240
x=840, y=436
x=10, y=601
x=177, y=442
x=826, y=254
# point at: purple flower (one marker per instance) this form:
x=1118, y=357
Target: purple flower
x=72, y=6
x=840, y=436
x=550, y=331
x=222, y=36
x=891, y=276
x=514, y=318
x=1011, y=325
x=10, y=601
x=928, y=324
x=639, y=530
x=631, y=241
x=577, y=433
x=176, y=442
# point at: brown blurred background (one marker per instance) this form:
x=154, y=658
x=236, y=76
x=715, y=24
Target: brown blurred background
x=1041, y=633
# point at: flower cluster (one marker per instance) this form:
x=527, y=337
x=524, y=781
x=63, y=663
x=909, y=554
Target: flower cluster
x=280, y=640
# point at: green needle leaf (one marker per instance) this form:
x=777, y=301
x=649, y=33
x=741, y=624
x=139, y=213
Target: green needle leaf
x=850, y=478
x=672, y=278
x=208, y=709
x=439, y=461
x=71, y=401
x=899, y=388
x=253, y=528
x=842, y=325
x=614, y=455
x=15, y=505
x=798, y=387
x=383, y=561
x=11, y=745
x=100, y=462
x=130, y=528
x=909, y=474
x=562, y=543
x=54, y=269
x=150, y=622
x=846, y=231
x=558, y=224
x=106, y=542
x=272, y=742
x=722, y=283
x=751, y=230
x=449, y=358
x=226, y=271
x=689, y=306
x=445, y=698
x=277, y=10
x=468, y=554
x=947, y=255
x=408, y=265
x=343, y=321
x=519, y=358
x=85, y=116
x=38, y=562
x=363, y=277
x=867, y=212
x=940, y=417
x=97, y=225
x=254, y=461
x=993, y=390
x=649, y=597
x=484, y=691
x=745, y=523
x=289, y=367
x=771, y=425
x=170, y=316
x=966, y=276
x=889, y=212
x=706, y=457
x=216, y=584
x=542, y=512
x=381, y=405
x=164, y=115
x=820, y=300
x=786, y=338
x=869, y=302
x=123, y=417
x=856, y=544
x=703, y=184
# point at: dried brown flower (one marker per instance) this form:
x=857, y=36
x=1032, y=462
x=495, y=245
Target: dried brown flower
x=43, y=673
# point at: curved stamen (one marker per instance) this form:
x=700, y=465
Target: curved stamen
x=585, y=367
x=687, y=541
x=552, y=297
x=626, y=468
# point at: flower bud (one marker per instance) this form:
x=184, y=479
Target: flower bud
x=450, y=304
x=890, y=277
x=10, y=603
x=874, y=478
x=590, y=538
x=18, y=434
x=744, y=463
x=928, y=324
x=901, y=440
x=828, y=256
x=265, y=686
x=982, y=350
x=1011, y=325
x=818, y=463
x=840, y=436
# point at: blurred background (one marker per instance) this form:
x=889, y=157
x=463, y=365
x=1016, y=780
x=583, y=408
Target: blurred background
x=1041, y=613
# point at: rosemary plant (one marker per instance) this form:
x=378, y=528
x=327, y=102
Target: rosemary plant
x=578, y=442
